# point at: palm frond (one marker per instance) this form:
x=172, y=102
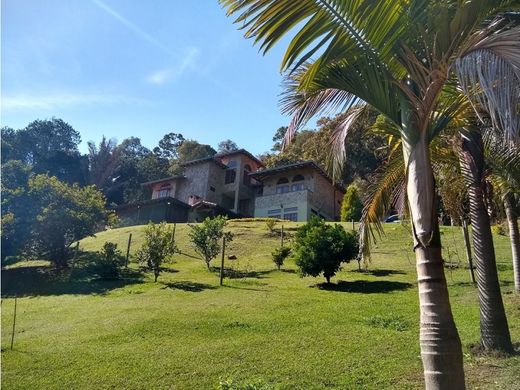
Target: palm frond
x=491, y=62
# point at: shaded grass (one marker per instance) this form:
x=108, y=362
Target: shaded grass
x=275, y=328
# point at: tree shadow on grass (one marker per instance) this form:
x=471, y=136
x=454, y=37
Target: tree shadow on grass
x=29, y=281
x=188, y=286
x=381, y=272
x=231, y=273
x=365, y=287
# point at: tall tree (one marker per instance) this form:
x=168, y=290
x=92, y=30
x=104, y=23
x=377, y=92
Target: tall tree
x=494, y=330
x=398, y=57
x=48, y=146
x=227, y=146
x=169, y=146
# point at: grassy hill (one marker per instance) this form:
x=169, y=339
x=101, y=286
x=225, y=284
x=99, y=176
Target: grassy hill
x=187, y=332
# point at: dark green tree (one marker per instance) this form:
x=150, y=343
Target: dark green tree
x=63, y=215
x=320, y=248
x=18, y=212
x=227, y=146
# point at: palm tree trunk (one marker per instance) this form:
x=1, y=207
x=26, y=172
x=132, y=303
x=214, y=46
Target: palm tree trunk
x=441, y=349
x=514, y=236
x=494, y=331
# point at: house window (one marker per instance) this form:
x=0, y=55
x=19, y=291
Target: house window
x=212, y=189
x=247, y=171
x=274, y=211
x=297, y=183
x=290, y=209
x=165, y=191
x=282, y=185
x=291, y=216
x=230, y=176
x=297, y=187
x=231, y=172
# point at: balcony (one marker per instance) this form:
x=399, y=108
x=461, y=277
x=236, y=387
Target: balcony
x=287, y=198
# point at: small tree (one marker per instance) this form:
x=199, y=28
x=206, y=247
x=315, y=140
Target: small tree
x=158, y=246
x=352, y=205
x=270, y=223
x=321, y=248
x=279, y=255
x=109, y=261
x=206, y=237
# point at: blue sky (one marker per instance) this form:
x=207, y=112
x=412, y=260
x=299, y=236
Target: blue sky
x=138, y=68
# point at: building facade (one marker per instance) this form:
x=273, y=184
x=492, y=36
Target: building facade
x=237, y=184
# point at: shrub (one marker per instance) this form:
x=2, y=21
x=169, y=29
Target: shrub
x=109, y=261
x=321, y=248
x=280, y=254
x=352, y=206
x=270, y=223
x=207, y=235
x=232, y=384
x=158, y=246
x=499, y=229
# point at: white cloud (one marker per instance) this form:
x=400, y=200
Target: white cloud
x=133, y=27
x=187, y=63
x=60, y=100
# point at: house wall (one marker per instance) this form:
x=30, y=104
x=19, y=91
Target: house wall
x=318, y=195
x=325, y=198
x=196, y=182
x=277, y=205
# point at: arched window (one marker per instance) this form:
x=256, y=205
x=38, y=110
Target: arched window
x=297, y=183
x=282, y=185
x=165, y=190
x=247, y=171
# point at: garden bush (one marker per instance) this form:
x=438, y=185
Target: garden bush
x=157, y=248
x=321, y=248
x=206, y=237
x=109, y=261
x=280, y=254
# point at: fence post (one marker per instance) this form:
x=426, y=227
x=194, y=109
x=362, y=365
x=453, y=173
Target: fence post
x=173, y=233
x=128, y=249
x=222, y=260
x=281, y=237
x=353, y=225
x=468, y=249
x=14, y=323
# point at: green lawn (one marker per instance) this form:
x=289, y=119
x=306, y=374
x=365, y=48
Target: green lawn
x=186, y=332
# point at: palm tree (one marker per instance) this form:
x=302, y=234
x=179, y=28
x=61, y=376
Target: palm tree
x=398, y=57
x=504, y=161
x=494, y=330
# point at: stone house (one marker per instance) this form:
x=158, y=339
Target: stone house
x=237, y=185
x=296, y=192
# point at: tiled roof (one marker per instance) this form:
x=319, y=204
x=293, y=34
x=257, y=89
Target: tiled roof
x=163, y=179
x=240, y=151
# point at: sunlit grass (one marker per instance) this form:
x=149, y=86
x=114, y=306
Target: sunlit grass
x=187, y=332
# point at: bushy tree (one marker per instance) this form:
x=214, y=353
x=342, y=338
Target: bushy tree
x=207, y=235
x=109, y=261
x=158, y=247
x=62, y=215
x=17, y=208
x=352, y=206
x=280, y=254
x=321, y=248
x=227, y=146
